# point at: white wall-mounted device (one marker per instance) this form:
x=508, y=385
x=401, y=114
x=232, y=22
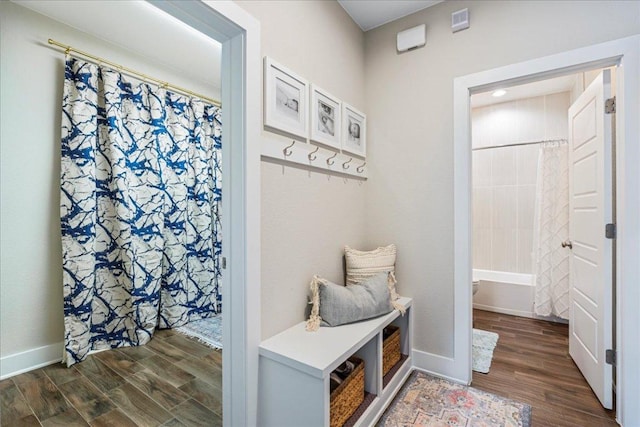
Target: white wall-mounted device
x=460, y=20
x=412, y=38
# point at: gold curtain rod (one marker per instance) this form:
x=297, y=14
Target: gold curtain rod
x=161, y=83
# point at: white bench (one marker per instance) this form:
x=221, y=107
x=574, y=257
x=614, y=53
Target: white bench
x=295, y=365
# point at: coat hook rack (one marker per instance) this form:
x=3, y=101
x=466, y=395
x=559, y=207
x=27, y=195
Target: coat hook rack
x=330, y=160
x=287, y=150
x=314, y=158
x=312, y=155
x=346, y=164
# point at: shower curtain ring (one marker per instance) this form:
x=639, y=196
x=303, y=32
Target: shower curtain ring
x=287, y=150
x=312, y=155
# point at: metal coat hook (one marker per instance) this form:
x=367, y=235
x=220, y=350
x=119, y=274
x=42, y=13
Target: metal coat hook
x=330, y=162
x=346, y=164
x=287, y=150
x=312, y=155
x=360, y=168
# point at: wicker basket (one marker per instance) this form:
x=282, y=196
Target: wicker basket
x=348, y=396
x=390, y=348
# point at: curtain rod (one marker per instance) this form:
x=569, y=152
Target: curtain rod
x=161, y=83
x=517, y=144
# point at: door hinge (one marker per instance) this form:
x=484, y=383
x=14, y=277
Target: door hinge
x=610, y=106
x=610, y=357
x=610, y=231
x=224, y=263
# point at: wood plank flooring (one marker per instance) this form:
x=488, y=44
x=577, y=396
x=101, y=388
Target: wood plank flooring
x=176, y=381
x=531, y=364
x=172, y=381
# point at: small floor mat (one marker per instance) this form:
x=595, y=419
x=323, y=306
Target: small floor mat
x=207, y=331
x=484, y=342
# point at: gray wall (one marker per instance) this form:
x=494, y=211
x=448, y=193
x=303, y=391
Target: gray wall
x=307, y=217
x=409, y=105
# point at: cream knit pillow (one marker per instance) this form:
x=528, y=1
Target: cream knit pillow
x=364, y=264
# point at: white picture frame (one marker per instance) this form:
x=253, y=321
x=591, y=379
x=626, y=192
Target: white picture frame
x=354, y=131
x=326, y=118
x=286, y=100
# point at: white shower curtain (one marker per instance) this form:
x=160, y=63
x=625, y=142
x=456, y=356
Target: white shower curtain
x=551, y=228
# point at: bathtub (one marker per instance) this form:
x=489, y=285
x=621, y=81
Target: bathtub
x=505, y=292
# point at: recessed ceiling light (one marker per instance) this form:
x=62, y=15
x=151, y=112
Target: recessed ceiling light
x=498, y=93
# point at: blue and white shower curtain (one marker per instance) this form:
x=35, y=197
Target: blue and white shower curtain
x=140, y=200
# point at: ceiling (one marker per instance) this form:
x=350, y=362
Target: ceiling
x=369, y=14
x=529, y=90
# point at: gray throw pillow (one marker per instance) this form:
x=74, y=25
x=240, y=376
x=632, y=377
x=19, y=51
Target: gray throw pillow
x=339, y=305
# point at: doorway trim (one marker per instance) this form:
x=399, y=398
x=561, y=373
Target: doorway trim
x=239, y=34
x=625, y=53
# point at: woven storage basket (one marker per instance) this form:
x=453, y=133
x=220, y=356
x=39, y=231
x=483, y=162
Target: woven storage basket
x=390, y=348
x=348, y=396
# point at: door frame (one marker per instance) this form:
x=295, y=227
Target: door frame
x=239, y=34
x=626, y=54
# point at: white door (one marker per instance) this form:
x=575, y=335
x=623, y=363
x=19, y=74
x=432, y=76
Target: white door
x=590, y=204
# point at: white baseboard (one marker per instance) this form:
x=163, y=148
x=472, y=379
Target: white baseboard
x=501, y=310
x=528, y=314
x=439, y=366
x=18, y=363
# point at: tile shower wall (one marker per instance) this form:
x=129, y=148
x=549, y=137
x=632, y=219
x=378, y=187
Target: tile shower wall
x=504, y=179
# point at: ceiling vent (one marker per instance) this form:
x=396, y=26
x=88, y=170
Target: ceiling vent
x=460, y=20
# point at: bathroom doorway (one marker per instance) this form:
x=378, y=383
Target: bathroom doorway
x=530, y=194
x=624, y=54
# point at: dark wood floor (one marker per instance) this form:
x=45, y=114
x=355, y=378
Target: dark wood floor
x=176, y=381
x=531, y=364
x=172, y=381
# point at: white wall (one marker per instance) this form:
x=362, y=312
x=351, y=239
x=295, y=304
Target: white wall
x=410, y=116
x=307, y=217
x=504, y=179
x=31, y=81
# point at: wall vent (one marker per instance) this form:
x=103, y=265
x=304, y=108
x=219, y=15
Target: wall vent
x=460, y=20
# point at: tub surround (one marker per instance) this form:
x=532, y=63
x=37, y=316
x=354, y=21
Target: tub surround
x=504, y=292
x=504, y=193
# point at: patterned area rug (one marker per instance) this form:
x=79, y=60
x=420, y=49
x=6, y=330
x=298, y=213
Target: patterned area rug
x=207, y=331
x=483, y=344
x=425, y=400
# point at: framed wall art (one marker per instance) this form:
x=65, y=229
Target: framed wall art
x=354, y=131
x=285, y=99
x=325, y=118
